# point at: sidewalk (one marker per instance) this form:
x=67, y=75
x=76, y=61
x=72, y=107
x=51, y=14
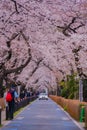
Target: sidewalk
x=3, y=116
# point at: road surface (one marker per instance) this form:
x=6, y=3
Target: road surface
x=42, y=115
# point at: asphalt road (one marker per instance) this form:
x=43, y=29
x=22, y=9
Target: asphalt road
x=42, y=115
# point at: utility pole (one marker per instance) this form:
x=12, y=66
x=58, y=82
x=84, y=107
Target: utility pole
x=80, y=90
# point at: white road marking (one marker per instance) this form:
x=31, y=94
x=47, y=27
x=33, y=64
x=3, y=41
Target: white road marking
x=58, y=109
x=20, y=118
x=65, y=118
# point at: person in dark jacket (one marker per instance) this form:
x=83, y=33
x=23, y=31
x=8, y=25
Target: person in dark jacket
x=11, y=104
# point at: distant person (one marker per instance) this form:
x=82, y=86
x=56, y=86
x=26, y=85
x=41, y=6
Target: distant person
x=22, y=94
x=28, y=93
x=16, y=96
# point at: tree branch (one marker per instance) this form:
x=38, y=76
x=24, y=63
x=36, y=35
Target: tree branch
x=20, y=67
x=9, y=45
x=36, y=67
x=66, y=29
x=15, y=3
x=77, y=62
x=15, y=70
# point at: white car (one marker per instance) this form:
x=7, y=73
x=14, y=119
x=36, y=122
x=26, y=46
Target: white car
x=43, y=96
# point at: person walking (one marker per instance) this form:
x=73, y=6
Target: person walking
x=11, y=103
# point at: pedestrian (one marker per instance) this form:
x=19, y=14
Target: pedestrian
x=28, y=93
x=11, y=103
x=22, y=95
x=16, y=95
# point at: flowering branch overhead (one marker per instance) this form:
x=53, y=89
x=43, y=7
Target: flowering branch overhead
x=32, y=45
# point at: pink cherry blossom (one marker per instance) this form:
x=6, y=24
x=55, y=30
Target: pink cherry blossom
x=47, y=31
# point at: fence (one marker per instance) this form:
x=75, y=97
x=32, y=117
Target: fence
x=23, y=103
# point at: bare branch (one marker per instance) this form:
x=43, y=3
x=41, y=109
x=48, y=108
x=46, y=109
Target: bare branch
x=9, y=55
x=10, y=16
x=15, y=3
x=20, y=67
x=48, y=67
x=27, y=61
x=36, y=67
x=9, y=45
x=66, y=29
x=77, y=62
x=79, y=26
x=14, y=35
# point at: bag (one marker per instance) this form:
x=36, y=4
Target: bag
x=8, y=97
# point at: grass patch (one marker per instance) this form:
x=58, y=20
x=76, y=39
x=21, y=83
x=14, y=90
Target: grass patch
x=17, y=112
x=65, y=108
x=1, y=125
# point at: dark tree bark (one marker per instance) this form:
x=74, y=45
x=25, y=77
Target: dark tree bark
x=67, y=28
x=36, y=67
x=15, y=3
x=77, y=62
